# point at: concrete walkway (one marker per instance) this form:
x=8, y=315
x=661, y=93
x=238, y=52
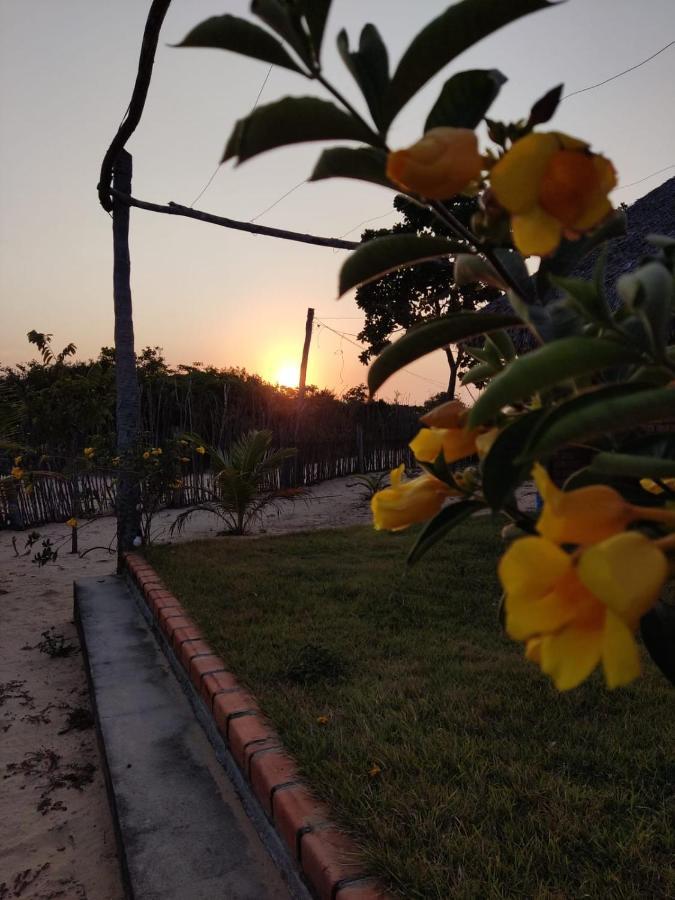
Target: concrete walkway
x=183, y=828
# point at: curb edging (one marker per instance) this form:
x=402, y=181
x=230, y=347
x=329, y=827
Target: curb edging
x=328, y=858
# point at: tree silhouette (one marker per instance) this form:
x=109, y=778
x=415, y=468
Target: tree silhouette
x=410, y=295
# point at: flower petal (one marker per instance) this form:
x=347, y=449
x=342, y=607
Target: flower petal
x=515, y=178
x=530, y=571
x=620, y=657
x=427, y=444
x=626, y=572
x=535, y=233
x=448, y=415
x=570, y=656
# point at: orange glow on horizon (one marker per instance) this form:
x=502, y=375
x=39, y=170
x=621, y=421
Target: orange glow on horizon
x=287, y=375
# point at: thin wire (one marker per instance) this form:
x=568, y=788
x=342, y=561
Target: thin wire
x=640, y=180
x=592, y=87
x=343, y=336
x=365, y=222
x=217, y=168
x=283, y=197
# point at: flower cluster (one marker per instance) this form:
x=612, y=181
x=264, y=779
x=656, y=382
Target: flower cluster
x=578, y=607
x=550, y=184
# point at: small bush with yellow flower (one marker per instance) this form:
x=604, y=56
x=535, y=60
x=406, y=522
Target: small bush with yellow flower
x=562, y=366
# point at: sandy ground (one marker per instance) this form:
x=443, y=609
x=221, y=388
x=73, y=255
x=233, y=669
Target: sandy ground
x=56, y=837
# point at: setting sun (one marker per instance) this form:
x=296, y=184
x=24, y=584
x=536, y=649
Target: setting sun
x=287, y=375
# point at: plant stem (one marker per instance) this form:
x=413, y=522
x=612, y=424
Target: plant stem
x=480, y=249
x=378, y=141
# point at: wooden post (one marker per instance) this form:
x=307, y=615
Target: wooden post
x=305, y=353
x=128, y=401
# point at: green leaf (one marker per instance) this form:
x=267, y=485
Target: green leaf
x=443, y=39
x=570, y=253
x=376, y=258
x=544, y=109
x=545, y=367
x=603, y=415
x=502, y=472
x=633, y=466
x=478, y=373
x=571, y=407
x=503, y=344
x=465, y=98
x=369, y=66
x=364, y=163
x=657, y=629
x=588, y=297
x=316, y=13
x=650, y=293
x=287, y=24
x=448, y=518
x=486, y=354
x=239, y=36
x=291, y=121
x=470, y=269
x=430, y=336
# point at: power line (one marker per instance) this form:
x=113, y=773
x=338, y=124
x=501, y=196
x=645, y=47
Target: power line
x=640, y=180
x=592, y=87
x=283, y=197
x=344, y=336
x=217, y=168
x=365, y=222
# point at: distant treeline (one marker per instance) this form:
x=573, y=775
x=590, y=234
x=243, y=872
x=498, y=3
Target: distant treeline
x=59, y=407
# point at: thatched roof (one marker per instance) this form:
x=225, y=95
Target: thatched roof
x=652, y=214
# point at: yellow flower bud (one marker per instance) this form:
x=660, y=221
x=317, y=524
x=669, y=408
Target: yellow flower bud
x=443, y=163
x=407, y=502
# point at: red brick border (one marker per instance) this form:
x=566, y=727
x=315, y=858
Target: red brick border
x=327, y=857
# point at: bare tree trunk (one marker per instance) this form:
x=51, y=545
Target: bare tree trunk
x=454, y=366
x=128, y=403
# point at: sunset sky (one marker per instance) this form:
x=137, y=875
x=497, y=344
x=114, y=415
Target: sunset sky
x=212, y=295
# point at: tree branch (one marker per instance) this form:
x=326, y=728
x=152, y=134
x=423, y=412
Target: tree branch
x=139, y=94
x=175, y=209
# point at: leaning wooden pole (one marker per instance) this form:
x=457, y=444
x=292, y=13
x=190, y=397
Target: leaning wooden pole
x=128, y=400
x=309, y=324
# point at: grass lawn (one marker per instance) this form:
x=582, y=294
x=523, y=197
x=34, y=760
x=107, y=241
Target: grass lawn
x=491, y=784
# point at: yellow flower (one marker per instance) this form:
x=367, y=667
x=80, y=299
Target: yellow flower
x=200, y=450
x=575, y=615
x=17, y=472
x=553, y=186
x=72, y=523
x=407, y=502
x=18, y=460
x=89, y=452
x=447, y=433
x=440, y=165
x=374, y=771
x=589, y=514
x=322, y=720
x=156, y=451
x=652, y=486
x=146, y=455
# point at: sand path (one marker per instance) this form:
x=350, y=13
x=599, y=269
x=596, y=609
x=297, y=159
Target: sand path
x=56, y=835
